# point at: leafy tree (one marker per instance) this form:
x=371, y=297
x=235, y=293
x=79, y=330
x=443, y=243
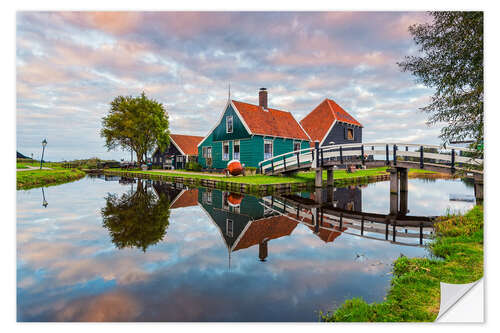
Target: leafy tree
x=136, y=123
x=452, y=63
x=138, y=219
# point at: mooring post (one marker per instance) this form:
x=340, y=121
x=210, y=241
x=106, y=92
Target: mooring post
x=421, y=233
x=329, y=177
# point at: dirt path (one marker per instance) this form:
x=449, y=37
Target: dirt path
x=33, y=168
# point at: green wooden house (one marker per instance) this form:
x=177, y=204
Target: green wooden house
x=250, y=133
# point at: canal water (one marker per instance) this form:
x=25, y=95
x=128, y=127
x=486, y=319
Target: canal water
x=112, y=249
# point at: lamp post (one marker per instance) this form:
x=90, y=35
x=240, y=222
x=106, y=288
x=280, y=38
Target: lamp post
x=44, y=143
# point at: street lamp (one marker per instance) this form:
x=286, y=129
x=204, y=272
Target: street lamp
x=44, y=143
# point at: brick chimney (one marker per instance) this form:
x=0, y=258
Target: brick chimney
x=263, y=97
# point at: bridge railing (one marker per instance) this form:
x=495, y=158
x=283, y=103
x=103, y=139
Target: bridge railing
x=390, y=153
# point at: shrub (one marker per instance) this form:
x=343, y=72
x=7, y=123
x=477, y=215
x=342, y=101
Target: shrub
x=193, y=166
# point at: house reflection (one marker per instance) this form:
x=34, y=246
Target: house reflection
x=242, y=221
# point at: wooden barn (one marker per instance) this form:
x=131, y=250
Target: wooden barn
x=250, y=133
x=181, y=148
x=330, y=124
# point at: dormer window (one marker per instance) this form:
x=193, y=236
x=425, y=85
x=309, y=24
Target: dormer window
x=229, y=124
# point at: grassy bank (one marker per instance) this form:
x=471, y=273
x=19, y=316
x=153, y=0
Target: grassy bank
x=36, y=178
x=414, y=294
x=301, y=177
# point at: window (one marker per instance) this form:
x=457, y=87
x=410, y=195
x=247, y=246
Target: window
x=229, y=228
x=180, y=158
x=229, y=124
x=350, y=134
x=236, y=150
x=296, y=146
x=207, y=152
x=268, y=149
x=225, y=151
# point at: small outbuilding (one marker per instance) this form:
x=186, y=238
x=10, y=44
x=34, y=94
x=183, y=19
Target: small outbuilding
x=180, y=150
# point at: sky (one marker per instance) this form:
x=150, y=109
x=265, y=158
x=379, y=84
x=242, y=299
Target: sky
x=70, y=66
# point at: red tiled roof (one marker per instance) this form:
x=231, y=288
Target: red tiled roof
x=187, y=198
x=271, y=122
x=187, y=143
x=265, y=229
x=318, y=121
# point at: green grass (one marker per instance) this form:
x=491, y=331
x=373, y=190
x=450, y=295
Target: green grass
x=415, y=287
x=22, y=165
x=37, y=178
x=301, y=177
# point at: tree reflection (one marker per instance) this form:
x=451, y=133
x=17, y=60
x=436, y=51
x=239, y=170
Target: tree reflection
x=136, y=219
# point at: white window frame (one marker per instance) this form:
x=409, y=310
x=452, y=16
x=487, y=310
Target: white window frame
x=236, y=143
x=205, y=152
x=271, y=141
x=229, y=233
x=297, y=143
x=224, y=143
x=232, y=124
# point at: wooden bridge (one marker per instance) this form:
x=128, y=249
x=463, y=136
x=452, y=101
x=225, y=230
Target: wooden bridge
x=446, y=159
x=398, y=157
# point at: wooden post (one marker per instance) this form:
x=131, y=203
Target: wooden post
x=362, y=155
x=284, y=162
x=421, y=233
x=321, y=157
x=298, y=160
x=394, y=190
x=394, y=231
x=318, y=181
x=272, y=166
x=316, y=148
x=386, y=230
x=329, y=177
x=341, y=157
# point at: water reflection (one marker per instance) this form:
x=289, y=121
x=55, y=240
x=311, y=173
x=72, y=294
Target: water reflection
x=280, y=269
x=136, y=218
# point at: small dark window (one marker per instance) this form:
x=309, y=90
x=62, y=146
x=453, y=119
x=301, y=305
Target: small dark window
x=350, y=134
x=296, y=146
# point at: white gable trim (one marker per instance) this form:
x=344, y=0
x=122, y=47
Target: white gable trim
x=229, y=102
x=328, y=132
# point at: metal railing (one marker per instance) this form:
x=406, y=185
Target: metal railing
x=391, y=153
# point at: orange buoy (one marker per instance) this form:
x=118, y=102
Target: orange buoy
x=234, y=167
x=234, y=199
